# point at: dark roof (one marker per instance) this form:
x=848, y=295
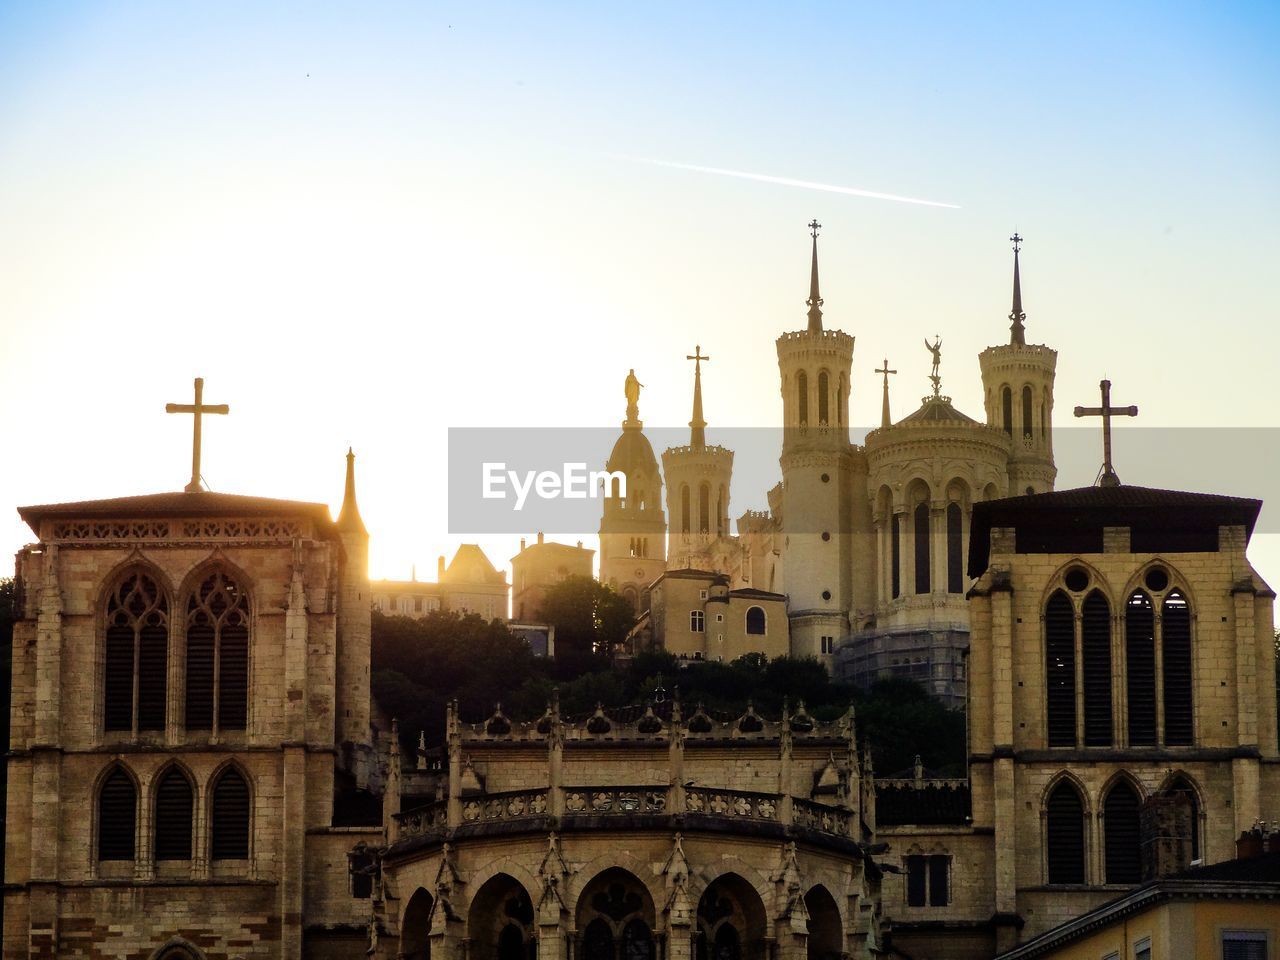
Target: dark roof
x=751, y=592
x=692, y=573
x=899, y=804
x=1264, y=868
x=1071, y=521
x=177, y=504
x=937, y=410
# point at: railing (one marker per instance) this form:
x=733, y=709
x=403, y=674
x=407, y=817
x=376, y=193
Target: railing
x=512, y=805
x=615, y=800
x=432, y=818
x=818, y=816
x=738, y=804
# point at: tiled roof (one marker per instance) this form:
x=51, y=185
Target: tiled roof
x=176, y=504
x=936, y=410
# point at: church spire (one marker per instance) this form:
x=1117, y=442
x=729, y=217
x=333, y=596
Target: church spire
x=1017, y=335
x=349, y=515
x=885, y=420
x=814, y=301
x=697, y=426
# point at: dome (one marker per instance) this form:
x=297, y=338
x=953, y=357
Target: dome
x=937, y=410
x=632, y=454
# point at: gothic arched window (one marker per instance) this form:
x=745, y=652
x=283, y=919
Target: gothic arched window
x=1175, y=639
x=117, y=816
x=895, y=555
x=1026, y=411
x=1140, y=669
x=802, y=396
x=217, y=655
x=704, y=508
x=1121, y=835
x=637, y=941
x=684, y=508
x=824, y=399
x=1064, y=835
x=921, y=521
x=755, y=621
x=229, y=817
x=721, y=513
x=174, y=808
x=1060, y=670
x=955, y=551
x=1095, y=653
x=597, y=941
x=137, y=655
x=1006, y=403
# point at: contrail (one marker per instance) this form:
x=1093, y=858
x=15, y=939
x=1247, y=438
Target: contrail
x=789, y=182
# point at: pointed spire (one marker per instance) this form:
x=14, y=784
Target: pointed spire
x=697, y=426
x=814, y=301
x=349, y=515
x=1017, y=335
x=885, y=420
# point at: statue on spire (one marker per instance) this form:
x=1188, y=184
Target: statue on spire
x=934, y=348
x=632, y=389
x=1017, y=335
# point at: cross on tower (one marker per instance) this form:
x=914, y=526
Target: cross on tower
x=1017, y=242
x=197, y=409
x=886, y=371
x=1106, y=412
x=814, y=227
x=885, y=421
x=697, y=358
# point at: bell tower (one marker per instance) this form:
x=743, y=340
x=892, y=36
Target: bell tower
x=697, y=478
x=817, y=478
x=1017, y=381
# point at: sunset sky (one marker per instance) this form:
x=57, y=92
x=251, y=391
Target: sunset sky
x=363, y=224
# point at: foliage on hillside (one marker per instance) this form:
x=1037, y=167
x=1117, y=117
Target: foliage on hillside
x=419, y=665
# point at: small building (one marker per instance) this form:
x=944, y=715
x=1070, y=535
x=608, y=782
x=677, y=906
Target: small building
x=469, y=584
x=541, y=565
x=694, y=614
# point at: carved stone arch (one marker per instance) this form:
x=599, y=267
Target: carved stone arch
x=826, y=939
x=1090, y=808
x=217, y=560
x=500, y=910
x=176, y=948
x=214, y=780
x=170, y=763
x=962, y=487
x=116, y=763
x=883, y=504
x=154, y=783
x=1176, y=781
x=616, y=915
x=703, y=877
x=508, y=866
x=732, y=918
x=1177, y=774
x=913, y=485
x=584, y=873
x=135, y=560
x=1178, y=583
x=1122, y=776
x=1097, y=581
x=415, y=925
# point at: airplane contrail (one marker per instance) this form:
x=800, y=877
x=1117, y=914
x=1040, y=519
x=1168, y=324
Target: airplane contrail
x=790, y=182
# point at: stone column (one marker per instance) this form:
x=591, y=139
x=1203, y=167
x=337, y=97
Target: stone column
x=291, y=868
x=453, y=737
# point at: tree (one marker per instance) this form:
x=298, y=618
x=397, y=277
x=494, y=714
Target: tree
x=590, y=618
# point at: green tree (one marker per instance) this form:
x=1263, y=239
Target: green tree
x=591, y=620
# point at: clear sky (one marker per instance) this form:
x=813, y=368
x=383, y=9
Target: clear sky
x=366, y=223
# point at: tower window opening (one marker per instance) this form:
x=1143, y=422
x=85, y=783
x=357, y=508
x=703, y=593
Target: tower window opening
x=1006, y=403
x=955, y=563
x=921, y=518
x=802, y=396
x=824, y=399
x=704, y=508
x=684, y=508
x=1060, y=671
x=1026, y=412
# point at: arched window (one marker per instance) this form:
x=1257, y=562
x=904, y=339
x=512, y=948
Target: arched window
x=727, y=944
x=1064, y=835
x=1095, y=652
x=1006, y=403
x=955, y=558
x=1175, y=639
x=511, y=943
x=597, y=941
x=921, y=519
x=721, y=518
x=802, y=397
x=229, y=817
x=755, y=621
x=1060, y=670
x=1026, y=411
x=136, y=655
x=684, y=508
x=840, y=395
x=895, y=551
x=1140, y=669
x=117, y=816
x=174, y=810
x=637, y=941
x=217, y=655
x=415, y=928
x=704, y=508
x=824, y=399
x=1121, y=835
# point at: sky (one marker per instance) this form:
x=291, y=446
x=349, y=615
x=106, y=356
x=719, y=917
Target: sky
x=364, y=224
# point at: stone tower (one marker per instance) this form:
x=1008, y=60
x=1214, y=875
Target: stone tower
x=633, y=529
x=1017, y=381
x=818, y=478
x=353, y=634
x=698, y=477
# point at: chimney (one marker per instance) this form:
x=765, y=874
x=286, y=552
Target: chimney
x=413, y=573
x=579, y=544
x=522, y=544
x=1250, y=844
x=541, y=538
x=1165, y=827
x=440, y=569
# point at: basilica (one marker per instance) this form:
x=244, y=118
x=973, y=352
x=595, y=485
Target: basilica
x=197, y=770
x=863, y=544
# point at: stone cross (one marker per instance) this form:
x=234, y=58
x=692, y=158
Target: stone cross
x=697, y=357
x=884, y=412
x=197, y=409
x=814, y=227
x=1106, y=412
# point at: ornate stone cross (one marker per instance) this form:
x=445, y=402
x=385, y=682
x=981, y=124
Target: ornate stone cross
x=814, y=227
x=197, y=409
x=697, y=358
x=884, y=412
x=1106, y=412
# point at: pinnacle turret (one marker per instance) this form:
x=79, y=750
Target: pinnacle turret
x=1017, y=335
x=349, y=515
x=815, y=300
x=697, y=426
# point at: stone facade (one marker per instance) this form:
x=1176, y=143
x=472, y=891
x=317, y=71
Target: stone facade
x=540, y=565
x=296, y=736
x=468, y=584
x=694, y=615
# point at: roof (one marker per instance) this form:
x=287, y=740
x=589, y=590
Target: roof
x=1072, y=521
x=937, y=410
x=692, y=573
x=1254, y=877
x=632, y=453
x=176, y=504
x=470, y=565
x=752, y=593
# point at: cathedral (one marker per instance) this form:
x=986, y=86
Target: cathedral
x=865, y=544
x=197, y=770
